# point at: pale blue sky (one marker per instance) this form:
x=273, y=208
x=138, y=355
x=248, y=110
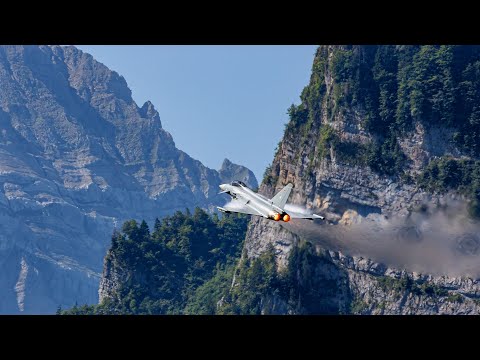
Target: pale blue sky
x=217, y=101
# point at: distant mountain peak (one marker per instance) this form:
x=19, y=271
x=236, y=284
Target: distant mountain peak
x=226, y=163
x=148, y=111
x=230, y=171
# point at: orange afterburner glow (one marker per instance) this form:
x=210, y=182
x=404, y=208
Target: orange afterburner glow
x=276, y=217
x=286, y=218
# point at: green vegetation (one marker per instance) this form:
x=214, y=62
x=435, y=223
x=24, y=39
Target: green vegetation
x=345, y=151
x=358, y=306
x=387, y=158
x=256, y=279
x=429, y=289
x=104, y=309
x=298, y=115
x=298, y=285
x=167, y=274
x=388, y=283
x=405, y=284
x=446, y=173
x=269, y=178
x=437, y=85
x=391, y=87
x=179, y=268
x=303, y=288
x=328, y=139
x=205, y=299
x=455, y=298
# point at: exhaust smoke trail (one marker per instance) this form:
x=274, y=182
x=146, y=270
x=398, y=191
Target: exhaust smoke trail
x=438, y=241
x=297, y=209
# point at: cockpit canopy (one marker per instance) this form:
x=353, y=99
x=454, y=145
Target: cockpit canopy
x=238, y=183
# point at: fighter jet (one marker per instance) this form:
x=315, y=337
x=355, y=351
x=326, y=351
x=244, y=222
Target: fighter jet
x=245, y=201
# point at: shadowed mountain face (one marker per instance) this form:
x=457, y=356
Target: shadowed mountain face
x=230, y=171
x=77, y=158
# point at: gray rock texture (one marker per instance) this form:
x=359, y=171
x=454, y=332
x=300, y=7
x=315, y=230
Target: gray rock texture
x=347, y=194
x=230, y=171
x=358, y=285
x=77, y=158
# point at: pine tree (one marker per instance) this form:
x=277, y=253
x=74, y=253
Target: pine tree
x=143, y=231
x=115, y=238
x=130, y=228
x=157, y=225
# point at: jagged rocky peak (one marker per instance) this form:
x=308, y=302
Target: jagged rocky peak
x=148, y=111
x=90, y=77
x=77, y=158
x=230, y=171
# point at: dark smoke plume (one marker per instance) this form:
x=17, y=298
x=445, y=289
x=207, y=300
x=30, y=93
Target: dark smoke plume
x=437, y=240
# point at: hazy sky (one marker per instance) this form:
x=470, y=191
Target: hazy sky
x=217, y=101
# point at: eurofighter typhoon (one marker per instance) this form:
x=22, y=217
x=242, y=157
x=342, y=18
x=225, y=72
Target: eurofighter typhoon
x=245, y=201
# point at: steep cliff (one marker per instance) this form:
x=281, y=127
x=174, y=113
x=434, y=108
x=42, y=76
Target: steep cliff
x=78, y=157
x=381, y=132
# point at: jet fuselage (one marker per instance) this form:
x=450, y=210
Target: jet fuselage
x=262, y=205
x=246, y=201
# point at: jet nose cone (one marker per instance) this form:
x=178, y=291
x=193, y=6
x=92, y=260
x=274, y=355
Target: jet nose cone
x=222, y=187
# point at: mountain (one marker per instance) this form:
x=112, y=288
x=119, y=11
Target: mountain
x=230, y=171
x=171, y=269
x=385, y=144
x=77, y=158
x=383, y=135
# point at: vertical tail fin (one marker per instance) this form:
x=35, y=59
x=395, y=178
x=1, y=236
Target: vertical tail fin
x=281, y=198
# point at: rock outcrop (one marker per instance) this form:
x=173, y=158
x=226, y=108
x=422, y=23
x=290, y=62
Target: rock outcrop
x=321, y=154
x=230, y=171
x=77, y=158
x=358, y=285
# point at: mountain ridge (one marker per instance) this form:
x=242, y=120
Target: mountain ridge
x=78, y=156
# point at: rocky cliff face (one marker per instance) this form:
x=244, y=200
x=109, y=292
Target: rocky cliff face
x=77, y=158
x=230, y=171
x=353, y=149
x=357, y=285
x=113, y=277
